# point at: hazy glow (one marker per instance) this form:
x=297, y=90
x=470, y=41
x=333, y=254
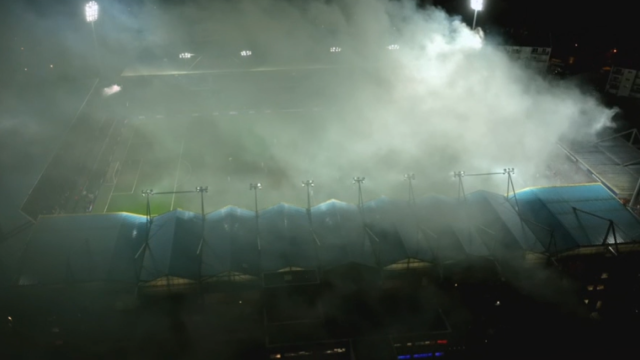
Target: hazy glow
x=447, y=100
x=477, y=4
x=111, y=90
x=91, y=11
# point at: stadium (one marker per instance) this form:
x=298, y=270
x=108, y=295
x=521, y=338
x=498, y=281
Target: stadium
x=242, y=204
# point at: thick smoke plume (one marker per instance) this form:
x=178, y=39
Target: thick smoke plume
x=445, y=100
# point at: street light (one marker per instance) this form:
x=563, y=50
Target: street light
x=476, y=5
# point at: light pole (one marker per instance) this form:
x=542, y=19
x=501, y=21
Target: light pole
x=202, y=190
x=359, y=180
x=308, y=184
x=255, y=187
x=410, y=178
x=91, y=11
x=476, y=5
x=459, y=175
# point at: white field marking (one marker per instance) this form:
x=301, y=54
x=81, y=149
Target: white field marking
x=175, y=185
x=116, y=182
x=60, y=144
x=137, y=177
x=190, y=172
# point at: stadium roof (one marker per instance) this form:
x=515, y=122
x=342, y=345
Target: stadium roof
x=614, y=161
x=88, y=248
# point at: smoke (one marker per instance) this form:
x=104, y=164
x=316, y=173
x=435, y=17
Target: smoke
x=411, y=90
x=446, y=99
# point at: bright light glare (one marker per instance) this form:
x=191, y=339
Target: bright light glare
x=245, y=53
x=335, y=49
x=110, y=90
x=393, y=47
x=185, y=55
x=91, y=11
x=477, y=4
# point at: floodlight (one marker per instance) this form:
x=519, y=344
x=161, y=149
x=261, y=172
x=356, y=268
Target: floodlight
x=410, y=176
x=202, y=189
x=509, y=171
x=393, y=47
x=308, y=183
x=253, y=186
x=245, y=53
x=458, y=174
x=185, y=55
x=335, y=49
x=358, y=179
x=477, y=5
x=91, y=11
x=147, y=192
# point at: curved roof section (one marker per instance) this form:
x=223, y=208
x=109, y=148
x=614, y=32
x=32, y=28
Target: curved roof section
x=172, y=247
x=231, y=243
x=578, y=215
x=83, y=248
x=286, y=239
x=339, y=229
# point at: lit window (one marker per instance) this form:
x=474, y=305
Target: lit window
x=439, y=354
x=590, y=287
x=598, y=305
x=600, y=287
x=605, y=276
x=420, y=356
x=586, y=301
x=404, y=357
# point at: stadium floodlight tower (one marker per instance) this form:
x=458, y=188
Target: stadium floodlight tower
x=91, y=10
x=186, y=55
x=308, y=184
x=393, y=47
x=411, y=178
x=476, y=5
x=359, y=180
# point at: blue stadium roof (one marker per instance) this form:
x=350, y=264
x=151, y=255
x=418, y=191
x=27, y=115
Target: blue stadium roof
x=88, y=248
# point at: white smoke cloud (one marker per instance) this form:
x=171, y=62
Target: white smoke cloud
x=445, y=100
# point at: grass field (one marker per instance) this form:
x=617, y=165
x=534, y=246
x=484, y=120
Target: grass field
x=224, y=152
